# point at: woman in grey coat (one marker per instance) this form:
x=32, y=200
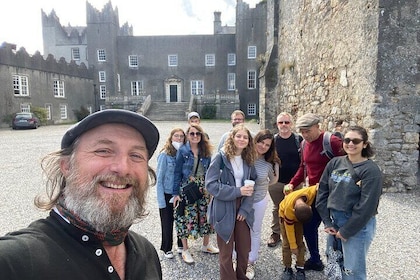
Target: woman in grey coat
x=230, y=211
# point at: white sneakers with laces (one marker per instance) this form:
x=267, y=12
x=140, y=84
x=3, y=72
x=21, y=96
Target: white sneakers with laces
x=186, y=256
x=209, y=249
x=169, y=255
x=250, y=271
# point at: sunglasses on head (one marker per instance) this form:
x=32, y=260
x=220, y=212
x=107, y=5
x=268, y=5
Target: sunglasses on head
x=192, y=134
x=285, y=122
x=355, y=141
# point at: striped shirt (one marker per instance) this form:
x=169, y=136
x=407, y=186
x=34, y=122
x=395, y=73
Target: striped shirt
x=265, y=173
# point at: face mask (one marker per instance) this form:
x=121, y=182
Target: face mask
x=176, y=145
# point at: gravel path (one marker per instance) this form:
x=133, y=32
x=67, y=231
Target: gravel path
x=394, y=253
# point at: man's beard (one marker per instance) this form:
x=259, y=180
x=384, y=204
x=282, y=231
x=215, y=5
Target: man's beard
x=82, y=198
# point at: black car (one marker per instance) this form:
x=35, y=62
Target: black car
x=25, y=120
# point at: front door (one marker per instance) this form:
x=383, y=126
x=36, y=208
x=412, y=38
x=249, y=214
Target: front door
x=173, y=93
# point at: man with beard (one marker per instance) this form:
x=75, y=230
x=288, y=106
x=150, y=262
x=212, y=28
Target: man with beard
x=96, y=190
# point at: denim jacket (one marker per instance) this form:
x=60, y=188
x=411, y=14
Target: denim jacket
x=165, y=177
x=184, y=164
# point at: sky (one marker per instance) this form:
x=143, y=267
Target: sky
x=20, y=22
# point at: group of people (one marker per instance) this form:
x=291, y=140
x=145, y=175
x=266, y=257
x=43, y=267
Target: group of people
x=98, y=180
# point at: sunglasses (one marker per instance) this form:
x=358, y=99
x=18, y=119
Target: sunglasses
x=354, y=140
x=192, y=134
x=285, y=122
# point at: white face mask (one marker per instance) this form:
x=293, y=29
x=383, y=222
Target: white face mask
x=176, y=145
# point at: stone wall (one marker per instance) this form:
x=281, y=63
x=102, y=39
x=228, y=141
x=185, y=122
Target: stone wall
x=357, y=61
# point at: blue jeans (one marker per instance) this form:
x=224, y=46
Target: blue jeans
x=356, y=247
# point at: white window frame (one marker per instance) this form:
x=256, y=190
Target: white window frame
x=63, y=111
x=102, y=91
x=101, y=55
x=172, y=60
x=75, y=53
x=137, y=88
x=48, y=109
x=252, y=79
x=133, y=61
x=251, y=109
x=210, y=60
x=231, y=59
x=102, y=76
x=20, y=85
x=25, y=108
x=102, y=107
x=252, y=52
x=197, y=87
x=58, y=88
x=231, y=81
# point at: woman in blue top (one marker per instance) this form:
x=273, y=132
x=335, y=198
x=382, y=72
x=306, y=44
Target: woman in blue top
x=191, y=220
x=348, y=199
x=230, y=211
x=164, y=186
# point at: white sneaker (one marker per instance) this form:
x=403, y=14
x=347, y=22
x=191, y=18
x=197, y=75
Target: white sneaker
x=179, y=250
x=234, y=264
x=250, y=271
x=169, y=255
x=186, y=256
x=209, y=249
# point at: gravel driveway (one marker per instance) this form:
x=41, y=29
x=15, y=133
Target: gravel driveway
x=394, y=253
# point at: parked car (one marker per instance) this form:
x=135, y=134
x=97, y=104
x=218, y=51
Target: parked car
x=25, y=120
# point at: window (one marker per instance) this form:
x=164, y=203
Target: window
x=231, y=59
x=133, y=61
x=25, y=108
x=20, y=85
x=75, y=53
x=252, y=82
x=101, y=55
x=173, y=60
x=136, y=88
x=252, y=109
x=102, y=91
x=102, y=76
x=48, y=110
x=59, y=88
x=63, y=111
x=102, y=107
x=252, y=52
x=231, y=81
x=210, y=60
x=197, y=87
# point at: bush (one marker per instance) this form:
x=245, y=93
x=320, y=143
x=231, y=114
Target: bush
x=41, y=113
x=82, y=113
x=208, y=112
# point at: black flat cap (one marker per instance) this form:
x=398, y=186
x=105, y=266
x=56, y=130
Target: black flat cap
x=142, y=124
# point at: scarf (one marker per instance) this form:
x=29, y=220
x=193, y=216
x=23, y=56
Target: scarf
x=113, y=238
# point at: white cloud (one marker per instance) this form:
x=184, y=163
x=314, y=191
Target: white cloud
x=20, y=22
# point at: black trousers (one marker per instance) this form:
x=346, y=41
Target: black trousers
x=167, y=225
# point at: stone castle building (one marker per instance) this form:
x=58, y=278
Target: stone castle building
x=170, y=69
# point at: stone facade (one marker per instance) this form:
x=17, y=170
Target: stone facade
x=351, y=60
x=40, y=75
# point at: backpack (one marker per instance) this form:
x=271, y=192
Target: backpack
x=326, y=145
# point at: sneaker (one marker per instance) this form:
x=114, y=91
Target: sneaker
x=234, y=264
x=317, y=266
x=250, y=271
x=186, y=256
x=274, y=240
x=179, y=250
x=287, y=274
x=300, y=274
x=169, y=255
x=210, y=249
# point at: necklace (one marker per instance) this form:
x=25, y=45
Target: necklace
x=237, y=164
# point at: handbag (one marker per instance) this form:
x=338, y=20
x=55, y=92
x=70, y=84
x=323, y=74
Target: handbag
x=191, y=190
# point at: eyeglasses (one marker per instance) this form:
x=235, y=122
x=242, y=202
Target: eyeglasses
x=354, y=140
x=192, y=134
x=285, y=122
x=178, y=136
